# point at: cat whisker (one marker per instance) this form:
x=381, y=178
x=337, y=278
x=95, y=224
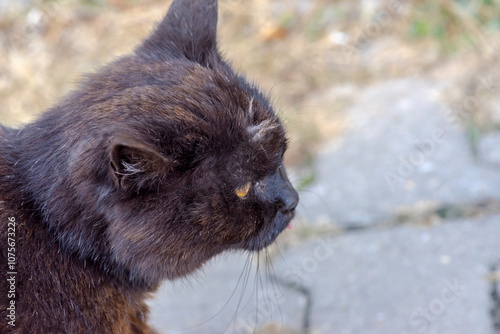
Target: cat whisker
x=257, y=279
x=276, y=84
x=245, y=266
x=280, y=254
x=271, y=272
x=246, y=274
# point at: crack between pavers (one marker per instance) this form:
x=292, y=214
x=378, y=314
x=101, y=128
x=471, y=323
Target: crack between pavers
x=306, y=293
x=444, y=212
x=495, y=296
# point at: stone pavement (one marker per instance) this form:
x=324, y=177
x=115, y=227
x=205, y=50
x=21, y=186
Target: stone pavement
x=410, y=279
x=402, y=148
x=402, y=226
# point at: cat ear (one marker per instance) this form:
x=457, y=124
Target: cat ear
x=188, y=31
x=135, y=165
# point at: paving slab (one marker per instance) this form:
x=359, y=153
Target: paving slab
x=489, y=149
x=409, y=279
x=402, y=147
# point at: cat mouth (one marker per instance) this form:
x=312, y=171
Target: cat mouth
x=269, y=234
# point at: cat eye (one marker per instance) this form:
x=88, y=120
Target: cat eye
x=243, y=191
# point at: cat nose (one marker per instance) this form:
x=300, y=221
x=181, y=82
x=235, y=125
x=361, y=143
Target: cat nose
x=289, y=197
x=290, y=200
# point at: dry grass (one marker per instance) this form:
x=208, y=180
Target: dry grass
x=313, y=56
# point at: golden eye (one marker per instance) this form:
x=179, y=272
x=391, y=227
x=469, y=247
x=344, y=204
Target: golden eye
x=243, y=191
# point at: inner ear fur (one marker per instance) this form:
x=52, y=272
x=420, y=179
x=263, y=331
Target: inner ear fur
x=132, y=162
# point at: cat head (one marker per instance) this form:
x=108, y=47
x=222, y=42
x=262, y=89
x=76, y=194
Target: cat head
x=169, y=157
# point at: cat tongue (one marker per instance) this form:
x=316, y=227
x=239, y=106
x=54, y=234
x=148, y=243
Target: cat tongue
x=289, y=226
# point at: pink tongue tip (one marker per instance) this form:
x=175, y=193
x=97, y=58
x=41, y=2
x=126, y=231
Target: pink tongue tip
x=289, y=226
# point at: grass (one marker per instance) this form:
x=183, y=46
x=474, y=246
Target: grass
x=454, y=24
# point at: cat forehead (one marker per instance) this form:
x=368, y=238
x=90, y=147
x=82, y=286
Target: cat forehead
x=200, y=105
x=225, y=98
x=180, y=90
x=257, y=131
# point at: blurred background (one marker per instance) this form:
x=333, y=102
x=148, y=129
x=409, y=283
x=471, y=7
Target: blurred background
x=393, y=111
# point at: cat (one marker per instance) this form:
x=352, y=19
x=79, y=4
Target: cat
x=155, y=164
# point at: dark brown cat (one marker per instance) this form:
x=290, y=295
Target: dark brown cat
x=157, y=163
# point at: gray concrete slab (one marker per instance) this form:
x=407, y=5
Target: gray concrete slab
x=489, y=149
x=402, y=147
x=410, y=279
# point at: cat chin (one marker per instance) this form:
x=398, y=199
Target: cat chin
x=268, y=235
